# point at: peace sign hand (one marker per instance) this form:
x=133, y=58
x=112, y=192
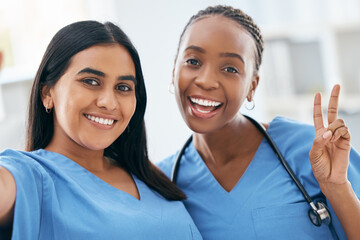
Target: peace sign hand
x=329, y=155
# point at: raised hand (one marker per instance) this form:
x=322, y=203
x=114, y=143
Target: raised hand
x=329, y=155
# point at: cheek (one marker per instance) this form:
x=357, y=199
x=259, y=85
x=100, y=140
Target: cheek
x=128, y=106
x=133, y=108
x=182, y=81
x=236, y=95
x=67, y=103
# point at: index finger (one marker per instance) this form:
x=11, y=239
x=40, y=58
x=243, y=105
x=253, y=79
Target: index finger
x=318, y=115
x=333, y=104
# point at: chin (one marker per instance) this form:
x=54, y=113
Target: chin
x=96, y=146
x=200, y=127
x=97, y=141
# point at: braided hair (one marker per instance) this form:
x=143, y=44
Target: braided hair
x=236, y=15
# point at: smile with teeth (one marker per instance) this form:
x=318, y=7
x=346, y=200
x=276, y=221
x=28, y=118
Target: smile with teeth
x=103, y=121
x=204, y=105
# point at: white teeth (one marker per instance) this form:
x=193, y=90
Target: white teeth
x=100, y=120
x=206, y=103
x=203, y=111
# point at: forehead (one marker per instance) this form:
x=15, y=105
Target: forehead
x=220, y=34
x=106, y=57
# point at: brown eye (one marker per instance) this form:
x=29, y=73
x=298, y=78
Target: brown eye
x=91, y=81
x=123, y=88
x=231, y=70
x=193, y=62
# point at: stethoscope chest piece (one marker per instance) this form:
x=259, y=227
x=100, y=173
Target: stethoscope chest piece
x=319, y=215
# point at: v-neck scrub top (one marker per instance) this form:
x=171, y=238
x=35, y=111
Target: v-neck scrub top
x=58, y=199
x=265, y=203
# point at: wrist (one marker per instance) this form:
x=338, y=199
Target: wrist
x=335, y=189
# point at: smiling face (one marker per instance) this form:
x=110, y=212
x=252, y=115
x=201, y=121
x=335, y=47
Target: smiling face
x=94, y=99
x=214, y=73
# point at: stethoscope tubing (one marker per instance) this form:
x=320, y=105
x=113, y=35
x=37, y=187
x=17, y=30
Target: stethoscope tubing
x=282, y=160
x=175, y=168
x=261, y=128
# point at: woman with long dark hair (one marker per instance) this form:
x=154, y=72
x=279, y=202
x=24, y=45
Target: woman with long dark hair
x=85, y=173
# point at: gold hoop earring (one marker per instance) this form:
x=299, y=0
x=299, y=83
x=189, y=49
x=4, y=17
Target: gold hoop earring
x=250, y=105
x=171, y=88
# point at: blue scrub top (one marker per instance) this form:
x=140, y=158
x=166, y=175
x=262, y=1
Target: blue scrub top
x=58, y=199
x=265, y=203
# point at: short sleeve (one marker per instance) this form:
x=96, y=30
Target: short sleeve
x=28, y=178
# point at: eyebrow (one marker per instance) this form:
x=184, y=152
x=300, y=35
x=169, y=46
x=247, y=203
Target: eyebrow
x=232, y=55
x=92, y=71
x=101, y=74
x=195, y=48
x=225, y=54
x=127, y=78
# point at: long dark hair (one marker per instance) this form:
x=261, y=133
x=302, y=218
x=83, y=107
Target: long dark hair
x=129, y=150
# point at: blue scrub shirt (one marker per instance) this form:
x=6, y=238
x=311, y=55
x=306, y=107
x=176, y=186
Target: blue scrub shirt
x=265, y=203
x=58, y=199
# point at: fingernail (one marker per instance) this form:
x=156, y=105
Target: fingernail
x=327, y=134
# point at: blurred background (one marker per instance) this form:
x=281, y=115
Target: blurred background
x=309, y=46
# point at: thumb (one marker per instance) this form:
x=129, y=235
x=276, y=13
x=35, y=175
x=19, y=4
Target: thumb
x=319, y=144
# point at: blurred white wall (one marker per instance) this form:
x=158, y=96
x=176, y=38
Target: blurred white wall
x=294, y=31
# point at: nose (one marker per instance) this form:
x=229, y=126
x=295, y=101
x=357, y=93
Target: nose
x=207, y=79
x=107, y=99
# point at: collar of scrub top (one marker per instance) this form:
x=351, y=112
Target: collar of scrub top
x=318, y=213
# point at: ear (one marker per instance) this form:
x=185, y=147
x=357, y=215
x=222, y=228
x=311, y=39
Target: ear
x=173, y=71
x=173, y=76
x=253, y=86
x=46, y=96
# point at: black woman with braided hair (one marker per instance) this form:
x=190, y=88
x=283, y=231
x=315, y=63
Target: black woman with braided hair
x=245, y=180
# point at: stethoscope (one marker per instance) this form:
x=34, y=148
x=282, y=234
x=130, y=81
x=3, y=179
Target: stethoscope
x=318, y=213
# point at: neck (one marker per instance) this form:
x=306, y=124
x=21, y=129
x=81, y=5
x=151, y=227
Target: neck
x=92, y=160
x=223, y=145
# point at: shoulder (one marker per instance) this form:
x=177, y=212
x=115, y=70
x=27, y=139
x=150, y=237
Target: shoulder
x=281, y=123
x=167, y=164
x=294, y=140
x=291, y=132
x=17, y=156
x=21, y=164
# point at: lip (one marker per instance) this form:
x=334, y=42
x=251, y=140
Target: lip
x=99, y=125
x=199, y=114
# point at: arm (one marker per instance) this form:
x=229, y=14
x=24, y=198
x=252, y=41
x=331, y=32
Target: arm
x=329, y=157
x=346, y=206
x=7, y=196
